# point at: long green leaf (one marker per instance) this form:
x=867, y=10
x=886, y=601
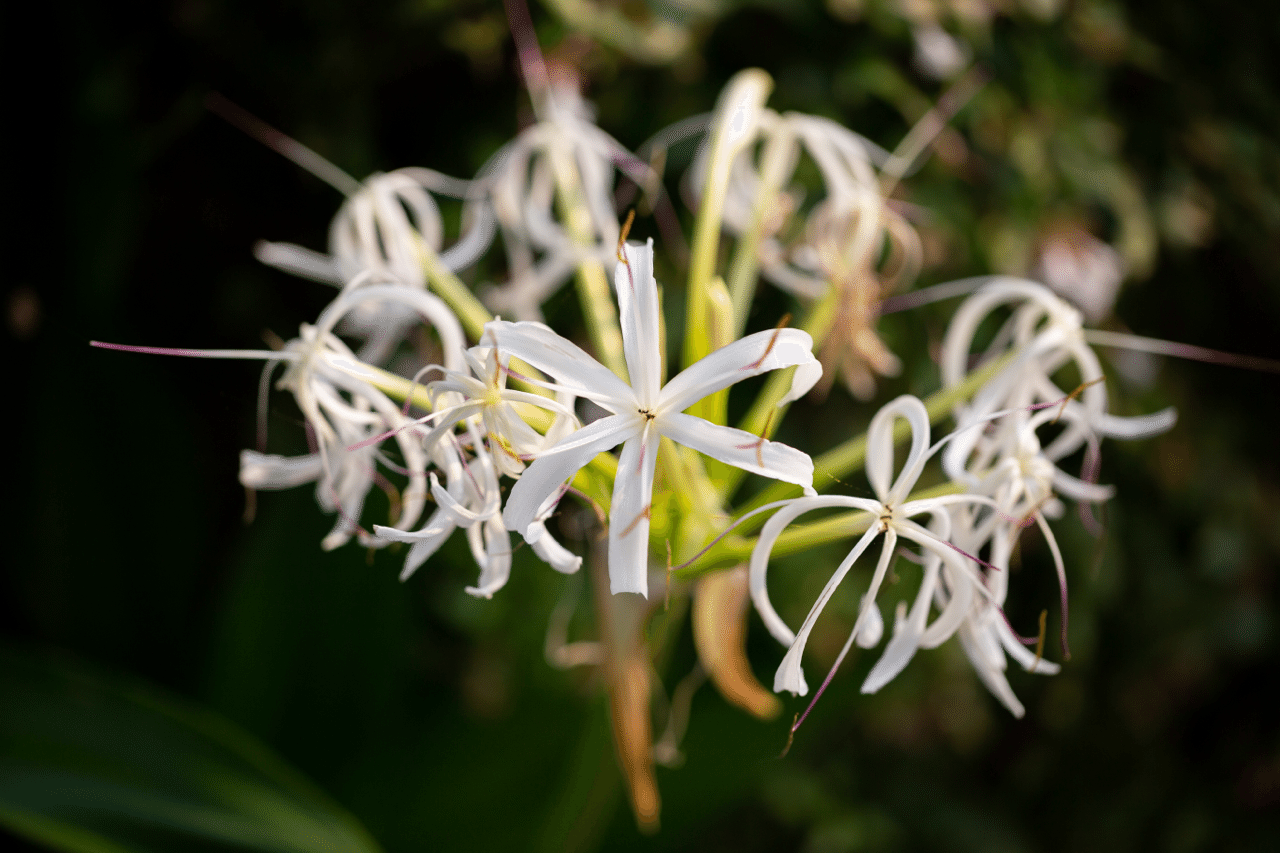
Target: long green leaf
x=90, y=764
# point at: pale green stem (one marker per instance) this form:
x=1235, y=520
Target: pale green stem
x=454, y=292
x=745, y=268
x=594, y=292
x=733, y=127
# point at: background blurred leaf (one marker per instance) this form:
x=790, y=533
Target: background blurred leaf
x=90, y=763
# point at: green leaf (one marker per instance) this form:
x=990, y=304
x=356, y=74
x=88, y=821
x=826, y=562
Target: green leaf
x=99, y=765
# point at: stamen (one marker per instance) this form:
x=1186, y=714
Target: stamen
x=622, y=235
x=773, y=340
x=283, y=145
x=791, y=736
x=644, y=515
x=1044, y=621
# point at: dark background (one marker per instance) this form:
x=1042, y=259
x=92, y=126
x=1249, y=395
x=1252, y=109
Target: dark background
x=432, y=717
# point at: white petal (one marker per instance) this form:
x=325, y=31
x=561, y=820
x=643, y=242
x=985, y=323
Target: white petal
x=629, y=514
x=425, y=541
x=552, y=469
x=573, y=369
x=268, y=471
x=869, y=635
x=550, y=551
x=764, y=545
x=992, y=676
x=742, y=359
x=638, y=315
x=790, y=674
x=906, y=639
x=880, y=448
x=494, y=559
x=740, y=449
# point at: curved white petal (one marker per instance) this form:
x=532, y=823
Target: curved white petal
x=880, y=448
x=790, y=674
x=571, y=366
x=750, y=356
x=269, y=471
x=549, y=471
x=629, y=514
x=740, y=449
x=759, y=564
x=493, y=555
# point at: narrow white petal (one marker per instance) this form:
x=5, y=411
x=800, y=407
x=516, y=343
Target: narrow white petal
x=494, y=560
x=570, y=365
x=906, y=639
x=269, y=471
x=790, y=674
x=553, y=468
x=629, y=514
x=880, y=448
x=740, y=449
x=742, y=359
x=638, y=315
x=550, y=551
x=759, y=565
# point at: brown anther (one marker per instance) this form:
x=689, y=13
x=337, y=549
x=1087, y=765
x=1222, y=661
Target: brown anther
x=644, y=514
x=773, y=340
x=1044, y=619
x=1076, y=393
x=622, y=235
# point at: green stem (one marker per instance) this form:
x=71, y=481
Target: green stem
x=732, y=129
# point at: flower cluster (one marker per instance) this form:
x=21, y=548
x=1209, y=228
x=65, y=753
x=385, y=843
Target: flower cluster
x=512, y=416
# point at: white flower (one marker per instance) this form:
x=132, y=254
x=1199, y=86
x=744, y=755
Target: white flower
x=1044, y=333
x=948, y=579
x=645, y=410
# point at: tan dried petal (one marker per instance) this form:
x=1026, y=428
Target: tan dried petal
x=720, y=602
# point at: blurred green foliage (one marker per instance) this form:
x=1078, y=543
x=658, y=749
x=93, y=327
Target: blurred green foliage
x=432, y=717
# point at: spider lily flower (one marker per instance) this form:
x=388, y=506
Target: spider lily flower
x=985, y=635
x=1044, y=334
x=384, y=225
x=566, y=152
x=645, y=411
x=948, y=580
x=344, y=410
x=472, y=500
x=838, y=254
x=483, y=392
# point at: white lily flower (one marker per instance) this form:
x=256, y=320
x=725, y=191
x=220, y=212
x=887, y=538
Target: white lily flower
x=948, y=581
x=484, y=393
x=645, y=410
x=1045, y=333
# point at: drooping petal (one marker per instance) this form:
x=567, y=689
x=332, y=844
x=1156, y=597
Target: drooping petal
x=740, y=449
x=491, y=546
x=570, y=365
x=550, y=470
x=764, y=545
x=719, y=634
x=629, y=514
x=750, y=356
x=638, y=315
x=790, y=674
x=269, y=471
x=880, y=448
